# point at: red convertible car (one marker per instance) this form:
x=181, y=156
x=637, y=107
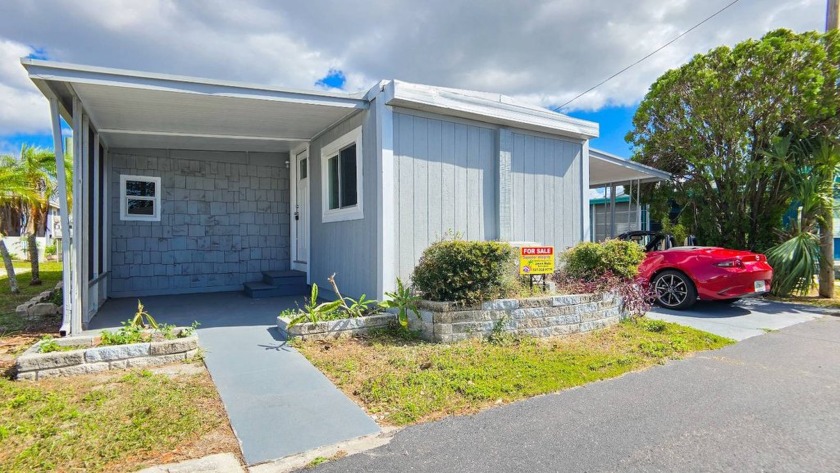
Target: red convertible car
x=680, y=275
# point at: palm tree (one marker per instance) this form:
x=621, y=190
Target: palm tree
x=811, y=165
x=12, y=185
x=29, y=183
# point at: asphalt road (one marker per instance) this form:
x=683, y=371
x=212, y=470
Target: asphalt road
x=769, y=403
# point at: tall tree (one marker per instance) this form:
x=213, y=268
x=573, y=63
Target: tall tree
x=11, y=185
x=710, y=122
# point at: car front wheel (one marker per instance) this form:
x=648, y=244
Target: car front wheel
x=674, y=290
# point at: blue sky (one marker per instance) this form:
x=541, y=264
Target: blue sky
x=615, y=123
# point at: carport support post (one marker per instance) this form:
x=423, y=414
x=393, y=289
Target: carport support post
x=612, y=210
x=386, y=234
x=63, y=209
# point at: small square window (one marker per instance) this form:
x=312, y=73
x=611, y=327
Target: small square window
x=342, y=178
x=303, y=169
x=139, y=198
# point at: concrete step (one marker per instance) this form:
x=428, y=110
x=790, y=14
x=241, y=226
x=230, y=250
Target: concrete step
x=259, y=290
x=284, y=278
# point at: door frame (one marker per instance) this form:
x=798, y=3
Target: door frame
x=293, y=227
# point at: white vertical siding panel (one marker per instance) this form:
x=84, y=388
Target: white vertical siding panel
x=540, y=209
x=461, y=196
x=473, y=188
x=406, y=193
x=488, y=180
x=435, y=177
x=448, y=177
x=421, y=183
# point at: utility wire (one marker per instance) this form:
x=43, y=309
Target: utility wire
x=599, y=84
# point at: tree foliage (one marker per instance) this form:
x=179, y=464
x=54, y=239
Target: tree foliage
x=711, y=122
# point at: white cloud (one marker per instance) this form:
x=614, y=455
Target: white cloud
x=22, y=108
x=546, y=52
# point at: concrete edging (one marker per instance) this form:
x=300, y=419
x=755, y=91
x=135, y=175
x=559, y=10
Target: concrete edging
x=33, y=365
x=536, y=316
x=334, y=328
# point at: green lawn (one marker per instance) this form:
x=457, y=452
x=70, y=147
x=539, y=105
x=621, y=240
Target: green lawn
x=113, y=422
x=9, y=322
x=402, y=382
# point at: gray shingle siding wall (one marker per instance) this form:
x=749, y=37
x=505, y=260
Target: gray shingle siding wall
x=224, y=219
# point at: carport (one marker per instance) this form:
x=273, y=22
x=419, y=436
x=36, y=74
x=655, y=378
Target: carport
x=109, y=109
x=608, y=172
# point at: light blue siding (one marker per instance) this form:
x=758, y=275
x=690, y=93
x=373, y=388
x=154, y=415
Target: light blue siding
x=346, y=248
x=445, y=182
x=546, y=192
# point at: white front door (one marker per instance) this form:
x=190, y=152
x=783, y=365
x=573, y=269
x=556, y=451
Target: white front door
x=300, y=212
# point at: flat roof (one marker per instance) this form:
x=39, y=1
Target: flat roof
x=607, y=169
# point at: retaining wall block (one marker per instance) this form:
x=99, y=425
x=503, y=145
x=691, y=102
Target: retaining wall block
x=501, y=304
x=116, y=352
x=535, y=302
x=178, y=345
x=42, y=361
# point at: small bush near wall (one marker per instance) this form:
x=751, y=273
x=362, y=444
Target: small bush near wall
x=589, y=261
x=465, y=271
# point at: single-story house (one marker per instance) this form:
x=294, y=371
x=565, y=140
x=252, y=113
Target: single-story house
x=187, y=185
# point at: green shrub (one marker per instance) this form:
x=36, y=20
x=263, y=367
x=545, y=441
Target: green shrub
x=589, y=261
x=465, y=271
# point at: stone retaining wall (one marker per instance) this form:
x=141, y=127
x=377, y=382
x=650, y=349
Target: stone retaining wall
x=33, y=365
x=40, y=305
x=538, y=316
x=334, y=328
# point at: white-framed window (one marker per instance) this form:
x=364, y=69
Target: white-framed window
x=140, y=198
x=341, y=178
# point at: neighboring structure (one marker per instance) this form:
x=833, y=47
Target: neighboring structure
x=13, y=230
x=629, y=216
x=193, y=185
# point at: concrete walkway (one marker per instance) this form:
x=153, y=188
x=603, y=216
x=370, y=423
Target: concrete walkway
x=278, y=403
x=743, y=319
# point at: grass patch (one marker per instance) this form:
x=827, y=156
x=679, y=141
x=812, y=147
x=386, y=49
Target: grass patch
x=9, y=321
x=115, y=422
x=401, y=381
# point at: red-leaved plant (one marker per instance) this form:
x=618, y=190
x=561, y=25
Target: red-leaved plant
x=637, y=297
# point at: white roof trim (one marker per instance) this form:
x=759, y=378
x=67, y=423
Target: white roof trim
x=487, y=107
x=55, y=71
x=653, y=174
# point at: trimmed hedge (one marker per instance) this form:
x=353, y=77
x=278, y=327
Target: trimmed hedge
x=465, y=271
x=589, y=261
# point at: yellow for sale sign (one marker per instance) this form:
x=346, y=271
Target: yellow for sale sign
x=536, y=260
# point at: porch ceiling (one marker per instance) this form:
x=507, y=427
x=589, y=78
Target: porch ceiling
x=606, y=169
x=140, y=110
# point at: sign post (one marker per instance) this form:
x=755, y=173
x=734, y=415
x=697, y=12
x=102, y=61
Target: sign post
x=536, y=262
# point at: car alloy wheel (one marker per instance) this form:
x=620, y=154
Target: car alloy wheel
x=674, y=290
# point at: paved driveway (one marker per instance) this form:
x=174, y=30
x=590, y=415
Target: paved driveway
x=743, y=319
x=768, y=403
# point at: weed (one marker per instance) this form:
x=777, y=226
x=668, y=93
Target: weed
x=314, y=312
x=404, y=301
x=655, y=326
x=128, y=333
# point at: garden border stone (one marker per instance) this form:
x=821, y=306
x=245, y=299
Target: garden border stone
x=334, y=328
x=33, y=365
x=544, y=316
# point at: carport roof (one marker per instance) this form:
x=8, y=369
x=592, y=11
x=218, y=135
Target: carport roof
x=608, y=169
x=131, y=109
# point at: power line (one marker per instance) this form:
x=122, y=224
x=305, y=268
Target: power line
x=599, y=84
